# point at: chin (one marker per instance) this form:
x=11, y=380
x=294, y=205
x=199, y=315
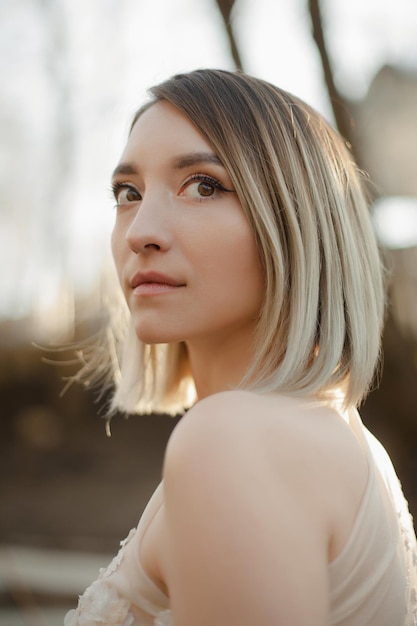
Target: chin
x=154, y=336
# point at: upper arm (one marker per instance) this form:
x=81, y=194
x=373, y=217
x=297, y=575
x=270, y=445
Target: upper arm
x=239, y=544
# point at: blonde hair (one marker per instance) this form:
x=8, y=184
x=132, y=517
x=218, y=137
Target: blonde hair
x=320, y=326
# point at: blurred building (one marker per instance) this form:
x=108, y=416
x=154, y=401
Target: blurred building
x=386, y=136
x=386, y=131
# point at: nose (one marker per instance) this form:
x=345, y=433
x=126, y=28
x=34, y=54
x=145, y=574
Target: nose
x=149, y=229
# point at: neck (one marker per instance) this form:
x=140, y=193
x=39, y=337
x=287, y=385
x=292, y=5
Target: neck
x=220, y=366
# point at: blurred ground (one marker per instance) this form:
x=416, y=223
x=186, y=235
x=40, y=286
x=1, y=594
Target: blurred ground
x=69, y=493
x=86, y=491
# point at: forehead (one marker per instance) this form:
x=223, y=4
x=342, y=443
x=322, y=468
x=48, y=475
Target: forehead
x=163, y=127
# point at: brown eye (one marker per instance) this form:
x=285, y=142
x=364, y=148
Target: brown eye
x=131, y=195
x=124, y=194
x=202, y=186
x=205, y=189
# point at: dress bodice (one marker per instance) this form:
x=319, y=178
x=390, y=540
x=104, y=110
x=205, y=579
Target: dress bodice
x=123, y=594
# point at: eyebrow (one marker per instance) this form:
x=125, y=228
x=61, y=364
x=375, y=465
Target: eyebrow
x=124, y=168
x=195, y=158
x=179, y=163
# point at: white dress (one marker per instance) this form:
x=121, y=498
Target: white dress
x=372, y=582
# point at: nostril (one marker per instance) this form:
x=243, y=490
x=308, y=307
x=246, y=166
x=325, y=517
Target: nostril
x=152, y=245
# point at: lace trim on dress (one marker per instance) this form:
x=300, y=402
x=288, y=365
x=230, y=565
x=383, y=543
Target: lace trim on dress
x=100, y=604
x=106, y=571
x=164, y=618
x=410, y=547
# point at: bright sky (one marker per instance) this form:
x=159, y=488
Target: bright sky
x=116, y=49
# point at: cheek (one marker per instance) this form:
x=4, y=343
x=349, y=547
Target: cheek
x=118, y=249
x=248, y=267
x=233, y=263
x=114, y=243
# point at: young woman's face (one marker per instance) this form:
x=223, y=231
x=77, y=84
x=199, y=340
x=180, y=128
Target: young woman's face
x=184, y=251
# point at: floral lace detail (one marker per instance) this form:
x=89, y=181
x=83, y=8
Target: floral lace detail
x=163, y=619
x=100, y=604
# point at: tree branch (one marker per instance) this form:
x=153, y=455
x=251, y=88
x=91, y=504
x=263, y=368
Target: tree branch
x=339, y=105
x=225, y=7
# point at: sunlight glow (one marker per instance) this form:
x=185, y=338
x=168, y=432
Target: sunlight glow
x=395, y=220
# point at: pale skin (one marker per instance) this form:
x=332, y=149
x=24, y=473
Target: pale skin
x=260, y=492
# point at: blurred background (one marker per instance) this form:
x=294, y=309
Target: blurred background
x=73, y=73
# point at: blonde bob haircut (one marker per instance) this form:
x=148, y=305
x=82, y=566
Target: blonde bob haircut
x=320, y=325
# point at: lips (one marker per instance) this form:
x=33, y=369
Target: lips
x=154, y=278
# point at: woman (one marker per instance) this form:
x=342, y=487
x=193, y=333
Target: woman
x=249, y=267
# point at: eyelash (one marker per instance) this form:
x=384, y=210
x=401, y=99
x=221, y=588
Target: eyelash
x=204, y=178
x=117, y=186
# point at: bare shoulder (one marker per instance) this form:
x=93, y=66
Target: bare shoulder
x=285, y=432
x=222, y=420
x=299, y=450
x=253, y=486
